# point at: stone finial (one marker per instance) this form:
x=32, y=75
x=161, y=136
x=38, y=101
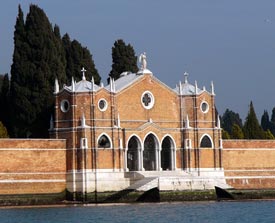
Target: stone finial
x=83, y=73
x=196, y=87
x=73, y=85
x=93, y=83
x=185, y=77
x=56, y=86
x=218, y=122
x=180, y=88
x=212, y=88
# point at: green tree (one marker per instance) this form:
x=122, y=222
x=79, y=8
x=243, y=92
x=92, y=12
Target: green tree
x=4, y=101
x=265, y=123
x=272, y=122
x=3, y=131
x=230, y=118
x=37, y=61
x=268, y=135
x=252, y=128
x=124, y=59
x=77, y=57
x=225, y=135
x=237, y=132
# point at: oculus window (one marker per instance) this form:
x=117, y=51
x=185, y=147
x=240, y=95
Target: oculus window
x=147, y=100
x=65, y=105
x=204, y=107
x=102, y=105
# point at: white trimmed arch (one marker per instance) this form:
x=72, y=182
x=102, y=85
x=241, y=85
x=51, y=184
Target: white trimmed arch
x=151, y=156
x=133, y=157
x=107, y=136
x=209, y=137
x=168, y=155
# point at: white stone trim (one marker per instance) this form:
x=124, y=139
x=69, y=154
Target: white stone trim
x=33, y=181
x=151, y=105
x=105, y=107
x=111, y=143
x=212, y=144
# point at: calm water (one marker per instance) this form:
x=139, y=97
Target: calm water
x=258, y=211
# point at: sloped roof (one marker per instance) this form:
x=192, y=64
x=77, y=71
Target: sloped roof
x=187, y=89
x=124, y=81
x=83, y=86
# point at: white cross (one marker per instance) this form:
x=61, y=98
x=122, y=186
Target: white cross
x=83, y=73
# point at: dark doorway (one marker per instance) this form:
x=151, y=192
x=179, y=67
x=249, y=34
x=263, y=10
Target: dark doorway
x=149, y=153
x=132, y=154
x=166, y=155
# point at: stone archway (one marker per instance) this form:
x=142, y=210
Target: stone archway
x=150, y=155
x=167, y=147
x=133, y=158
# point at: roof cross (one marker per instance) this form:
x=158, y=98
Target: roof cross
x=83, y=73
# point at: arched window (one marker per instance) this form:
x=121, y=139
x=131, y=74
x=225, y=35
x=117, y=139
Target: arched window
x=104, y=142
x=206, y=142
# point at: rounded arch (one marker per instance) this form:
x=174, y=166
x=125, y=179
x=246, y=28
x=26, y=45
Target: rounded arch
x=104, y=141
x=206, y=141
x=133, y=153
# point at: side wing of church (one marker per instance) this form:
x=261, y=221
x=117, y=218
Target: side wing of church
x=137, y=131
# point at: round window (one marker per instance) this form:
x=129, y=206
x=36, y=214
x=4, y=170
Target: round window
x=102, y=105
x=147, y=100
x=65, y=105
x=204, y=107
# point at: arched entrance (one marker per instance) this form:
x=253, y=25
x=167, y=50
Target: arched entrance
x=167, y=153
x=133, y=154
x=150, y=153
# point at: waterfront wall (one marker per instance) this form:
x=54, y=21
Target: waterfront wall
x=32, y=166
x=249, y=164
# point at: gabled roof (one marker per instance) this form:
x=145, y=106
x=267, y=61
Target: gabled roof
x=124, y=81
x=128, y=79
x=83, y=86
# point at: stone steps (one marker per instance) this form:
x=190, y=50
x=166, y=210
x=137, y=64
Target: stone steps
x=144, y=184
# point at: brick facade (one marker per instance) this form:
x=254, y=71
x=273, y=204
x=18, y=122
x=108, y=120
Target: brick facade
x=32, y=166
x=107, y=138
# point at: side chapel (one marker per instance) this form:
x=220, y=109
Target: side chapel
x=137, y=127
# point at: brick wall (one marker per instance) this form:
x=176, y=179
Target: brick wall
x=32, y=166
x=249, y=164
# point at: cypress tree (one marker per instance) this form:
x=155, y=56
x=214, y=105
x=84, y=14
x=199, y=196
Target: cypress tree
x=124, y=59
x=77, y=57
x=4, y=101
x=269, y=135
x=265, y=123
x=225, y=135
x=237, y=132
x=252, y=129
x=230, y=118
x=37, y=61
x=272, y=122
x=3, y=131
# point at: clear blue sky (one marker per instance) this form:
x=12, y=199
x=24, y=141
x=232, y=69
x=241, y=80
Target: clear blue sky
x=231, y=43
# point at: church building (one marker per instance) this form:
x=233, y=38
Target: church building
x=137, y=132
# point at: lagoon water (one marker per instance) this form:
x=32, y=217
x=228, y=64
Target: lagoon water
x=237, y=212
